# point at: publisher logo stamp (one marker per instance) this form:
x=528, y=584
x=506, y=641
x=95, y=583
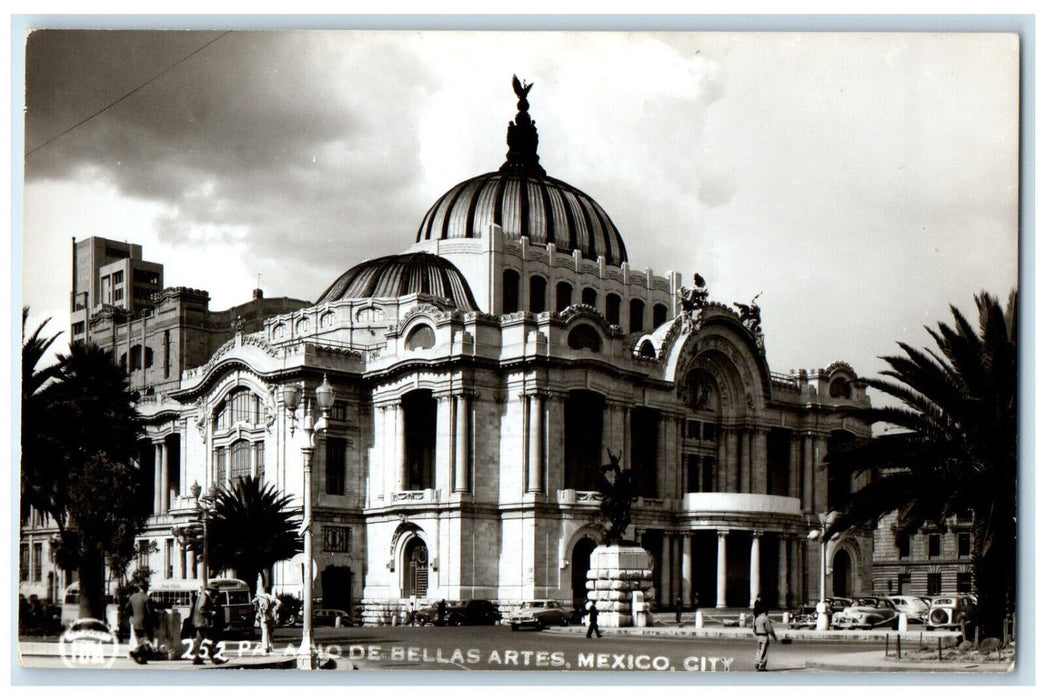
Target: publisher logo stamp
x=88, y=643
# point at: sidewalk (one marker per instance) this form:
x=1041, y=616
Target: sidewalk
x=877, y=662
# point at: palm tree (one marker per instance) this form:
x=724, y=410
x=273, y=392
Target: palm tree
x=955, y=452
x=251, y=528
x=79, y=446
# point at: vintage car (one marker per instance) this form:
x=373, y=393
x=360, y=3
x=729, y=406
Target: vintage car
x=539, y=614
x=330, y=617
x=913, y=606
x=803, y=617
x=951, y=611
x=866, y=613
x=457, y=613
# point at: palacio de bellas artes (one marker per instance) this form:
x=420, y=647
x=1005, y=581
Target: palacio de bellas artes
x=480, y=379
x=449, y=416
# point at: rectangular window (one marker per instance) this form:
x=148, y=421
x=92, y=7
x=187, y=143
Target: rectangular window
x=693, y=473
x=933, y=546
x=336, y=538
x=904, y=584
x=708, y=475
x=240, y=463
x=904, y=546
x=710, y=432
x=143, y=554
x=335, y=466
x=340, y=410
x=259, y=461
x=38, y=561
x=23, y=562
x=78, y=328
x=118, y=277
x=219, y=467
x=964, y=582
x=933, y=584
x=964, y=544
x=693, y=430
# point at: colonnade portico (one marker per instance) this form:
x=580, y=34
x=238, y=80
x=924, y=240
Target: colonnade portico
x=682, y=564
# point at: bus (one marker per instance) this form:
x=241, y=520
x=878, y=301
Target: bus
x=71, y=606
x=233, y=594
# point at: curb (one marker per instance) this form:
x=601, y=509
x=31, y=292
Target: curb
x=745, y=633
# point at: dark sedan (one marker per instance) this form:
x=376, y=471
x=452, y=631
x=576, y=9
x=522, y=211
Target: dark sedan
x=458, y=613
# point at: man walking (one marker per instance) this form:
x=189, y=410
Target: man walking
x=593, y=620
x=764, y=632
x=265, y=606
x=140, y=610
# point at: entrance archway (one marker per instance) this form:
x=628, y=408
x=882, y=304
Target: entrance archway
x=415, y=569
x=336, y=582
x=579, y=563
x=842, y=574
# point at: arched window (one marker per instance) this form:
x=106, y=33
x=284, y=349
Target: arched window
x=635, y=315
x=660, y=315
x=419, y=417
x=510, y=292
x=613, y=311
x=564, y=295
x=584, y=336
x=538, y=295
x=588, y=297
x=840, y=388
x=421, y=337
x=240, y=406
x=646, y=349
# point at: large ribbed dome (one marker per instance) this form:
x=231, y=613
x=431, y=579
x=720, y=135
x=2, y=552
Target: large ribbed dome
x=397, y=275
x=524, y=201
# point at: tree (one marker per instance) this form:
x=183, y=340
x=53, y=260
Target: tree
x=251, y=528
x=79, y=448
x=956, y=451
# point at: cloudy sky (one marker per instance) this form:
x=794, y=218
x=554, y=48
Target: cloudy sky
x=860, y=182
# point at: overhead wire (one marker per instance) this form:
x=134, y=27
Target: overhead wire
x=124, y=97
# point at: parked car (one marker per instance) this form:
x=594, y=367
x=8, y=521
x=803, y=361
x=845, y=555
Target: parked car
x=331, y=617
x=457, y=613
x=866, y=613
x=837, y=604
x=951, y=612
x=539, y=614
x=913, y=606
x=804, y=617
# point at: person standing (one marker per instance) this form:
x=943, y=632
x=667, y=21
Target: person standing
x=764, y=632
x=265, y=607
x=140, y=610
x=593, y=620
x=441, y=611
x=204, y=619
x=679, y=609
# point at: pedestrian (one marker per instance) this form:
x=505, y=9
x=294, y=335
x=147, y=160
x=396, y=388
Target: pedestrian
x=412, y=615
x=679, y=609
x=593, y=620
x=204, y=619
x=441, y=611
x=265, y=607
x=764, y=632
x=140, y=611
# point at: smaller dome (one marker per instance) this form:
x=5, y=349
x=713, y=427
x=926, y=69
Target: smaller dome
x=397, y=275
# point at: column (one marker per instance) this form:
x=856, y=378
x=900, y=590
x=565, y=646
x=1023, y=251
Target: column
x=626, y=436
x=399, y=449
x=535, y=442
x=165, y=478
x=157, y=474
x=753, y=568
x=665, y=594
x=687, y=568
x=462, y=441
x=185, y=562
x=795, y=468
x=443, y=467
x=732, y=469
x=759, y=484
x=808, y=472
x=722, y=479
x=782, y=571
x=745, y=485
x=720, y=584
x=820, y=477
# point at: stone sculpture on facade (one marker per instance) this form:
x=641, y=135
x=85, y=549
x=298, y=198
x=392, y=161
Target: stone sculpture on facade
x=750, y=315
x=692, y=301
x=618, y=491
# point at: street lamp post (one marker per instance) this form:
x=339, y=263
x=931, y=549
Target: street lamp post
x=310, y=429
x=204, y=504
x=825, y=520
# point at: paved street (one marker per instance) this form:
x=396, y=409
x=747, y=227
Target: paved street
x=499, y=648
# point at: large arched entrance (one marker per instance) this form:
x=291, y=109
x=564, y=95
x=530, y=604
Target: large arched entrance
x=336, y=582
x=415, y=569
x=579, y=563
x=842, y=574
